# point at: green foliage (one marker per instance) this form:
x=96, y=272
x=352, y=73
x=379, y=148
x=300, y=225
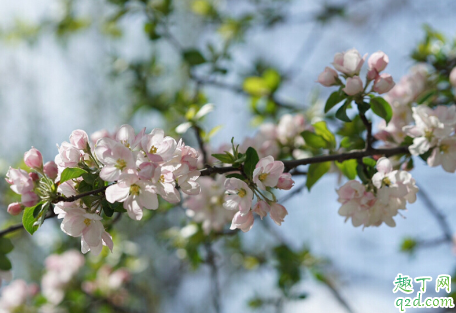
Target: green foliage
x=341, y=113
x=315, y=172
x=193, y=57
x=5, y=245
x=251, y=161
x=71, y=173
x=335, y=98
x=29, y=218
x=381, y=108
x=5, y=264
x=288, y=267
x=262, y=86
x=408, y=245
x=348, y=168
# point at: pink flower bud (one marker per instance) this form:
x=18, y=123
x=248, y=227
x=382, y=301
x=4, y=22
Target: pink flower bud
x=285, y=181
x=354, y=86
x=29, y=199
x=378, y=61
x=372, y=74
x=79, y=139
x=261, y=208
x=278, y=213
x=383, y=83
x=243, y=222
x=328, y=77
x=349, y=62
x=15, y=208
x=34, y=176
x=33, y=158
x=51, y=170
x=453, y=77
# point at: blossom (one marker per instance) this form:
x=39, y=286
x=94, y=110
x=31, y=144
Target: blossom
x=158, y=147
x=353, y=86
x=383, y=83
x=278, y=213
x=356, y=202
x=328, y=77
x=69, y=155
x=20, y=181
x=285, y=181
x=15, y=208
x=349, y=62
x=78, y=223
x=51, y=170
x=444, y=154
x=79, y=139
x=13, y=296
x=267, y=172
x=453, y=77
x=243, y=222
x=239, y=195
x=33, y=159
x=117, y=159
x=290, y=128
x=135, y=195
x=188, y=183
x=378, y=61
x=126, y=136
x=261, y=208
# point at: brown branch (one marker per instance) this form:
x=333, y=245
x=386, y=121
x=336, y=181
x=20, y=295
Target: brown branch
x=79, y=196
x=368, y=125
x=20, y=226
x=201, y=144
x=291, y=164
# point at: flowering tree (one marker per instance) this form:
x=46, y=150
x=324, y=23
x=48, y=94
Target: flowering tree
x=96, y=179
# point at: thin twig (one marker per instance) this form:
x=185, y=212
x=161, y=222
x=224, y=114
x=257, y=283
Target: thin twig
x=201, y=143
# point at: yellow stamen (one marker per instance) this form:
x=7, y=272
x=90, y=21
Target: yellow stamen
x=162, y=179
x=153, y=150
x=242, y=193
x=121, y=164
x=444, y=148
x=263, y=176
x=134, y=190
x=87, y=222
x=386, y=181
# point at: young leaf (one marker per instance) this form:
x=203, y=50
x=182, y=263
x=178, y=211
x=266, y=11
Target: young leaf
x=334, y=99
x=322, y=130
x=251, y=161
x=70, y=173
x=193, y=57
x=225, y=158
x=107, y=209
x=341, y=114
x=313, y=140
x=5, y=264
x=28, y=220
x=381, y=108
x=5, y=245
x=316, y=171
x=348, y=168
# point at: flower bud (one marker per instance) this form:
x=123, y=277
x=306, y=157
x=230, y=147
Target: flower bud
x=349, y=62
x=261, y=208
x=372, y=74
x=33, y=158
x=34, y=176
x=278, y=213
x=29, y=199
x=354, y=86
x=378, y=61
x=15, y=208
x=51, y=170
x=383, y=83
x=328, y=77
x=453, y=77
x=244, y=223
x=79, y=139
x=285, y=181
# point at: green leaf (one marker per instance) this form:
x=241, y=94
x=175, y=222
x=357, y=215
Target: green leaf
x=5, y=264
x=369, y=162
x=5, y=245
x=107, y=209
x=251, y=161
x=315, y=172
x=313, y=140
x=334, y=99
x=272, y=79
x=256, y=86
x=238, y=176
x=225, y=158
x=70, y=173
x=193, y=57
x=341, y=114
x=322, y=130
x=381, y=108
x=28, y=220
x=348, y=168
x=360, y=170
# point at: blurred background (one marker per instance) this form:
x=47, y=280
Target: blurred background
x=99, y=64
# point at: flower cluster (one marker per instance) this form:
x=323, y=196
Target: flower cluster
x=380, y=200
x=268, y=174
x=15, y=296
x=349, y=64
x=434, y=131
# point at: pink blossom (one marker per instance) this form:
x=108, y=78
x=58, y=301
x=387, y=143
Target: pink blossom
x=19, y=180
x=126, y=136
x=354, y=85
x=261, y=208
x=285, y=181
x=383, y=83
x=79, y=139
x=349, y=62
x=378, y=61
x=371, y=74
x=453, y=77
x=15, y=208
x=278, y=213
x=243, y=222
x=289, y=128
x=69, y=155
x=267, y=172
x=158, y=147
x=117, y=159
x=100, y=134
x=34, y=176
x=188, y=183
x=444, y=154
x=328, y=77
x=33, y=159
x=239, y=195
x=14, y=296
x=51, y=170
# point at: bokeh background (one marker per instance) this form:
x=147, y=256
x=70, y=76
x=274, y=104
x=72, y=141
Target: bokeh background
x=64, y=67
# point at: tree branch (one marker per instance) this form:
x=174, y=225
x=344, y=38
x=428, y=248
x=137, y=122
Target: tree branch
x=201, y=144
